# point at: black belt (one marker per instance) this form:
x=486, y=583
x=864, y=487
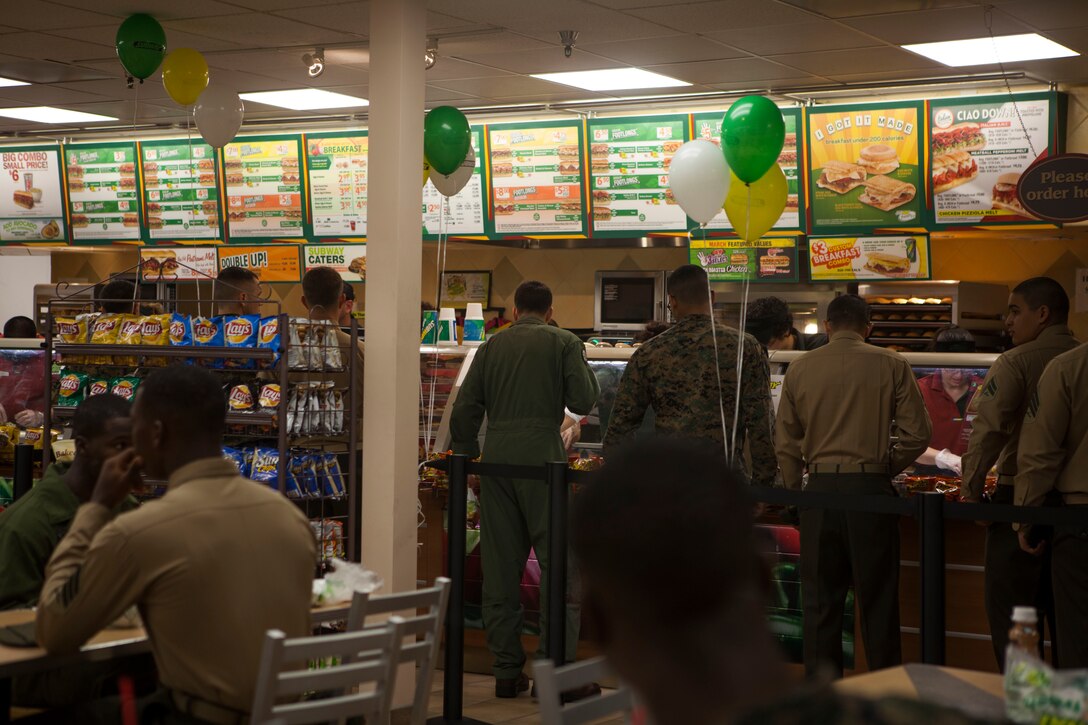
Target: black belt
x=825, y=468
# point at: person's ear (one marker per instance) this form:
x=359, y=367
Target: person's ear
x=81, y=446
x=1043, y=314
x=868, y=331
x=548, y=315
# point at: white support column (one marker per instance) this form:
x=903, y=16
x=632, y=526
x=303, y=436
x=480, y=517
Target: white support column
x=394, y=258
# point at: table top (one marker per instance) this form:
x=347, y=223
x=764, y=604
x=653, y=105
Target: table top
x=108, y=644
x=981, y=694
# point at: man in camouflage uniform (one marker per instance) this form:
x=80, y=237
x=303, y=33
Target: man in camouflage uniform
x=1037, y=323
x=692, y=388
x=521, y=379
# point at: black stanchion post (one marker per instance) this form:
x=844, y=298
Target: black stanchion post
x=556, y=477
x=23, y=477
x=453, y=679
x=931, y=562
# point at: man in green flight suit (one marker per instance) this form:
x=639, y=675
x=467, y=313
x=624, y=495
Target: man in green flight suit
x=521, y=379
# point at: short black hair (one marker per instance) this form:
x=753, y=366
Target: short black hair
x=533, y=297
x=665, y=489
x=113, y=295
x=93, y=413
x=653, y=329
x=322, y=287
x=230, y=279
x=768, y=318
x=849, y=312
x=188, y=398
x=1040, y=291
x=952, y=339
x=689, y=284
x=349, y=292
x=20, y=326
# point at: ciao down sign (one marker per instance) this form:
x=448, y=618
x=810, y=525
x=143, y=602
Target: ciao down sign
x=1056, y=189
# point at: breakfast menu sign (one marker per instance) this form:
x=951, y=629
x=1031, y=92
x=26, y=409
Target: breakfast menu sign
x=31, y=201
x=837, y=259
x=465, y=214
x=536, y=178
x=865, y=166
x=181, y=192
x=264, y=187
x=629, y=174
x=337, y=166
x=978, y=150
x=708, y=127
x=103, y=198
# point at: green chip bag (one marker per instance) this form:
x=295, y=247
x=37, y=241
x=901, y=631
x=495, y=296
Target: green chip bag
x=71, y=389
x=125, y=387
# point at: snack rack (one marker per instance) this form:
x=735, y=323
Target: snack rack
x=334, y=517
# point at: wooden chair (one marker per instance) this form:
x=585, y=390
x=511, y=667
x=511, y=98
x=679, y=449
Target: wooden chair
x=551, y=682
x=367, y=659
x=425, y=628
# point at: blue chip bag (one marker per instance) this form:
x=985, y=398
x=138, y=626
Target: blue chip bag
x=181, y=330
x=240, y=331
x=264, y=466
x=208, y=332
x=332, y=479
x=308, y=479
x=268, y=338
x=237, y=457
x=296, y=475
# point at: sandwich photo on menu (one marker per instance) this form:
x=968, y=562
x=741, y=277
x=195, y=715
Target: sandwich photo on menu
x=887, y=265
x=1005, y=196
x=599, y=166
x=953, y=169
x=502, y=168
x=886, y=193
x=602, y=214
x=599, y=149
x=878, y=159
x=840, y=176
x=671, y=147
x=502, y=152
x=601, y=197
x=568, y=151
x=961, y=137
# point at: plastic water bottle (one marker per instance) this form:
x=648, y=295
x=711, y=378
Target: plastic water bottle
x=1025, y=630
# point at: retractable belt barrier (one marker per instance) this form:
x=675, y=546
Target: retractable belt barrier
x=929, y=508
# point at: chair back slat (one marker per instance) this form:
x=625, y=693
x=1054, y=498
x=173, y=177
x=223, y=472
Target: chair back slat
x=332, y=678
x=551, y=682
x=321, y=711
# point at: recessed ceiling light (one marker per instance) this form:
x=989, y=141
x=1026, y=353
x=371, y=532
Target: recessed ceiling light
x=986, y=51
x=305, y=99
x=49, y=114
x=612, y=79
x=5, y=82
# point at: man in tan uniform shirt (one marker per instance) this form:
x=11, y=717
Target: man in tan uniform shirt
x=212, y=565
x=1038, y=311
x=1054, y=457
x=839, y=406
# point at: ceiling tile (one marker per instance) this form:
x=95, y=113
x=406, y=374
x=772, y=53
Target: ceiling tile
x=935, y=25
x=438, y=95
x=40, y=95
x=722, y=15
x=439, y=22
x=1046, y=14
x=161, y=10
x=503, y=86
x=857, y=8
x=40, y=71
x=849, y=61
x=47, y=47
x=106, y=34
x=451, y=69
x=769, y=86
x=40, y=15
x=542, y=60
x=287, y=66
x=1074, y=38
x=353, y=17
x=801, y=38
x=116, y=89
x=544, y=20
x=500, y=42
x=669, y=49
x=268, y=5
x=739, y=70
x=259, y=31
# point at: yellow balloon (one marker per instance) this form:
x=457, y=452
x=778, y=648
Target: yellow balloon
x=185, y=75
x=426, y=171
x=754, y=208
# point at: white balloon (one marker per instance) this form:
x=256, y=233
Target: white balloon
x=450, y=185
x=699, y=179
x=219, y=113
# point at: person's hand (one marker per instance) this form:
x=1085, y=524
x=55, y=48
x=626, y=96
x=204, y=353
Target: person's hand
x=949, y=461
x=119, y=475
x=29, y=418
x=1025, y=544
x=571, y=435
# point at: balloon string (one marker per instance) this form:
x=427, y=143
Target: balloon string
x=189, y=134
x=136, y=107
x=717, y=365
x=741, y=344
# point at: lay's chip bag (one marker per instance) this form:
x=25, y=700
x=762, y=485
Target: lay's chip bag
x=105, y=329
x=71, y=389
x=98, y=386
x=155, y=330
x=71, y=331
x=181, y=330
x=240, y=331
x=129, y=333
x=208, y=332
x=125, y=387
x=268, y=338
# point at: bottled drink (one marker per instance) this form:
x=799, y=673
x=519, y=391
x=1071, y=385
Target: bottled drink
x=1025, y=630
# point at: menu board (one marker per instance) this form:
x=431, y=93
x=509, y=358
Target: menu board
x=834, y=259
x=103, y=198
x=336, y=165
x=178, y=263
x=264, y=187
x=629, y=172
x=347, y=259
x=978, y=151
x=31, y=200
x=536, y=177
x=181, y=193
x=708, y=126
x=771, y=259
x=270, y=262
x=864, y=166
x=465, y=214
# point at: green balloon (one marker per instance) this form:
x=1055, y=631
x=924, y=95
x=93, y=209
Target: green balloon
x=141, y=44
x=752, y=136
x=446, y=139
